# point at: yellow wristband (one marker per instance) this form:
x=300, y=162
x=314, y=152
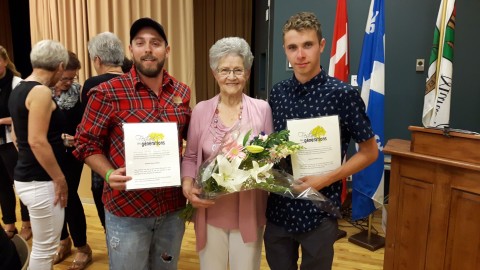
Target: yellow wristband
x=109, y=172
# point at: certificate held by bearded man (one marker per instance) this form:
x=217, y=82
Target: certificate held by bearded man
x=151, y=155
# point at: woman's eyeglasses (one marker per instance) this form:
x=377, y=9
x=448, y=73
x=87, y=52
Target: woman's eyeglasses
x=69, y=79
x=225, y=72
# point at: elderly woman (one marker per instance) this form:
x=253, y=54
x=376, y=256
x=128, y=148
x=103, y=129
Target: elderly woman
x=9, y=78
x=66, y=94
x=38, y=124
x=107, y=55
x=106, y=52
x=229, y=230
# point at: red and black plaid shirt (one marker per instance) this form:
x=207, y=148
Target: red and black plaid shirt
x=125, y=99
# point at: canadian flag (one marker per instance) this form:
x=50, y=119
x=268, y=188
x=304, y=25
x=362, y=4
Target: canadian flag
x=339, y=67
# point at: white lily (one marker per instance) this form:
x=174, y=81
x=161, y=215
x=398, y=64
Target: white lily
x=229, y=175
x=257, y=170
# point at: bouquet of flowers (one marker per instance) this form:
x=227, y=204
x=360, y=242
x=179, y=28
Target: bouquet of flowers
x=245, y=165
x=241, y=164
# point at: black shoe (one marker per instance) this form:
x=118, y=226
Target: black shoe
x=10, y=234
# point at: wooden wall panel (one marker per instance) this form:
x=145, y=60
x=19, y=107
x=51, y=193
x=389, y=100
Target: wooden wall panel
x=213, y=20
x=5, y=28
x=463, y=238
x=415, y=205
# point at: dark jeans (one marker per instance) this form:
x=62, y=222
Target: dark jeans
x=74, y=213
x=281, y=247
x=97, y=191
x=8, y=160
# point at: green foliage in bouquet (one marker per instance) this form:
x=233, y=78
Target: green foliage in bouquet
x=270, y=148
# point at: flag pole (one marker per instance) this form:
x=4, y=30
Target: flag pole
x=440, y=43
x=339, y=66
x=368, y=184
x=367, y=239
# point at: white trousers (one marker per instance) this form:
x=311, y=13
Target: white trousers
x=45, y=218
x=225, y=248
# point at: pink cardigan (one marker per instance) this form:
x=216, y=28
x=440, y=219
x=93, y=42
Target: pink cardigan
x=252, y=204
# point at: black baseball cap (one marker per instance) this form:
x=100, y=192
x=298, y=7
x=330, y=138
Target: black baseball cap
x=147, y=22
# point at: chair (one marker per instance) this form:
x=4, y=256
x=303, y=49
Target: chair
x=23, y=250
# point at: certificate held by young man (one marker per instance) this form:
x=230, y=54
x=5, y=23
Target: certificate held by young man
x=151, y=155
x=320, y=138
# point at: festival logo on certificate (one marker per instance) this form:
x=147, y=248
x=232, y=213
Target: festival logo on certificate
x=317, y=134
x=153, y=139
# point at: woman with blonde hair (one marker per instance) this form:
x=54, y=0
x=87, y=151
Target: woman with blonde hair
x=9, y=78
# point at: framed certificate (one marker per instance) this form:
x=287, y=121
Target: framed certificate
x=320, y=138
x=151, y=155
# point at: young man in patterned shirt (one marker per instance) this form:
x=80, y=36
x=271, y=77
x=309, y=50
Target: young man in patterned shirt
x=312, y=93
x=143, y=227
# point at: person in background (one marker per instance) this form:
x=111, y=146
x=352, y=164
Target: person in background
x=38, y=125
x=305, y=95
x=229, y=231
x=9, y=78
x=127, y=64
x=66, y=94
x=106, y=52
x=144, y=230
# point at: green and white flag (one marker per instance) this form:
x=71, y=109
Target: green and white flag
x=436, y=106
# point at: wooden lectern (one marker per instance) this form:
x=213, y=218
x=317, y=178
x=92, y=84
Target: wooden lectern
x=434, y=204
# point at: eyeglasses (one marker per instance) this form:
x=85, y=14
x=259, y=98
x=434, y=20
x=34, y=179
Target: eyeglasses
x=67, y=79
x=225, y=72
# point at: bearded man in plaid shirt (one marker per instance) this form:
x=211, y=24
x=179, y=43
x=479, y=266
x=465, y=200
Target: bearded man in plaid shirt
x=144, y=230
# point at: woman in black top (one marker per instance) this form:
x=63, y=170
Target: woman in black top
x=66, y=93
x=106, y=53
x=38, y=124
x=9, y=78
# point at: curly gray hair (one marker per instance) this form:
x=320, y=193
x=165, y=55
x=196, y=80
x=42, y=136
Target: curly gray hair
x=108, y=47
x=48, y=54
x=231, y=46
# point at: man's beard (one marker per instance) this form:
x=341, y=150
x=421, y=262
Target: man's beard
x=149, y=72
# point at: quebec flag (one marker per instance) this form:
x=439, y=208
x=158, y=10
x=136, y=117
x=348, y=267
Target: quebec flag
x=367, y=194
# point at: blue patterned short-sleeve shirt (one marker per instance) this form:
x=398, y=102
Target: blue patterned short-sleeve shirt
x=321, y=96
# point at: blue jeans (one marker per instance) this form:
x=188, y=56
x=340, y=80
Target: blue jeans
x=144, y=243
